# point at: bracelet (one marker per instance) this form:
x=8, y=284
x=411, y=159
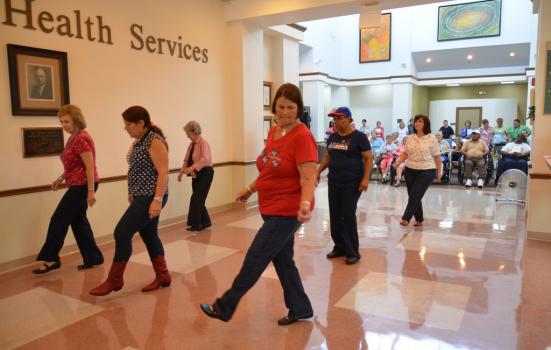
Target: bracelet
x=309, y=204
x=250, y=189
x=158, y=199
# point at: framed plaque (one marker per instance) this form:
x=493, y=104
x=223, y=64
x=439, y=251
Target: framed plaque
x=42, y=142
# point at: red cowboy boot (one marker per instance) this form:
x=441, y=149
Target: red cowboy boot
x=162, y=278
x=114, y=280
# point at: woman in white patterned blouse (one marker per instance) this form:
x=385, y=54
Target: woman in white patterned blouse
x=423, y=164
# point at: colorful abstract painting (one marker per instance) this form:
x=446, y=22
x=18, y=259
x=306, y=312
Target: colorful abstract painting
x=375, y=42
x=467, y=21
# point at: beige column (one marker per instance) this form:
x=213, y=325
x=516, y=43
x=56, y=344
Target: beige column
x=539, y=183
x=244, y=67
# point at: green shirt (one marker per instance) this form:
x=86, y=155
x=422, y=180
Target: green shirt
x=513, y=132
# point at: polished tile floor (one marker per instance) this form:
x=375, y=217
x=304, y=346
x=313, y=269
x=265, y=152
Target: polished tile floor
x=467, y=279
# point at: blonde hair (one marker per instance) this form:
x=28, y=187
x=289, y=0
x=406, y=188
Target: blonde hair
x=193, y=127
x=75, y=113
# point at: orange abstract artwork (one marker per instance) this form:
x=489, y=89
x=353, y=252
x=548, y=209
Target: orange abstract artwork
x=375, y=42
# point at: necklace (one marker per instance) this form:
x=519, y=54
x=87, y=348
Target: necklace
x=283, y=131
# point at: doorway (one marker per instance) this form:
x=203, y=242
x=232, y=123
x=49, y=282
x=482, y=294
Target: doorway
x=462, y=114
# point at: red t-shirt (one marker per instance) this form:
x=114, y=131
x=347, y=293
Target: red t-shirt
x=74, y=169
x=278, y=184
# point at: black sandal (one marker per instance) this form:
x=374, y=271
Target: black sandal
x=47, y=268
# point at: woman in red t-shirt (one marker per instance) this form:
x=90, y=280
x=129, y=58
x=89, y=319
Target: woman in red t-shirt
x=81, y=177
x=285, y=185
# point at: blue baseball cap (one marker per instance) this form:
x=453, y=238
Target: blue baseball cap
x=344, y=111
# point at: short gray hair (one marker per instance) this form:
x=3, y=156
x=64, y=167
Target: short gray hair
x=193, y=127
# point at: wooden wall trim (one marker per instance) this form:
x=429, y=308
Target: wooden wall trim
x=45, y=188
x=540, y=176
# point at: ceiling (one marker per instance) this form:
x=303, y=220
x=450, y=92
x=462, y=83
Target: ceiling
x=482, y=57
x=277, y=12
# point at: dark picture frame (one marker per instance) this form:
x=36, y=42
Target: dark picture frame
x=447, y=14
x=267, y=95
x=267, y=125
x=39, y=80
x=42, y=142
x=375, y=44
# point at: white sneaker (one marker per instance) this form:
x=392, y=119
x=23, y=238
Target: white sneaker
x=480, y=183
x=469, y=183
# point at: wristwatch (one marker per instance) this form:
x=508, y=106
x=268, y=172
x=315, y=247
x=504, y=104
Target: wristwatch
x=158, y=199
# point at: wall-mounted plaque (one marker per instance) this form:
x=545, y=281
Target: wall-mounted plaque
x=42, y=142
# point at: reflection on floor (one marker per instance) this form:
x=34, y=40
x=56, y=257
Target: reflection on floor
x=467, y=279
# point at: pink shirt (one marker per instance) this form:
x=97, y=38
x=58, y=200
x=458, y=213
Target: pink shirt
x=201, y=155
x=74, y=168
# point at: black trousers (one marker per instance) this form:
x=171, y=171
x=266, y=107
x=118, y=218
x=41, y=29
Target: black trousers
x=417, y=182
x=274, y=242
x=343, y=201
x=136, y=219
x=200, y=185
x=71, y=211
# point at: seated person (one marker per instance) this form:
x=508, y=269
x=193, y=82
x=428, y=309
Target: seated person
x=514, y=155
x=466, y=132
x=456, y=149
x=444, y=146
x=376, y=143
x=400, y=168
x=475, y=151
x=386, y=155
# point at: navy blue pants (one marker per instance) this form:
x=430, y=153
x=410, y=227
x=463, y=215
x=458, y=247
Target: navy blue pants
x=198, y=214
x=417, y=182
x=274, y=242
x=343, y=201
x=508, y=162
x=71, y=211
x=136, y=219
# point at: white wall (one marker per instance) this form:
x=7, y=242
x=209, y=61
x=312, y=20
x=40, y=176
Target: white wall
x=491, y=110
x=174, y=90
x=372, y=102
x=335, y=41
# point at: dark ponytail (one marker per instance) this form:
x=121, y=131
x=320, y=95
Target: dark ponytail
x=136, y=113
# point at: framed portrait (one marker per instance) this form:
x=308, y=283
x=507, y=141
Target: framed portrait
x=469, y=21
x=267, y=95
x=267, y=126
x=375, y=42
x=39, y=81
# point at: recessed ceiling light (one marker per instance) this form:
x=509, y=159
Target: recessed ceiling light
x=507, y=82
x=428, y=60
x=512, y=54
x=452, y=84
x=469, y=57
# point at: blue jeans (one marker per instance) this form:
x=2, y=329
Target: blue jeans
x=71, y=211
x=274, y=242
x=136, y=219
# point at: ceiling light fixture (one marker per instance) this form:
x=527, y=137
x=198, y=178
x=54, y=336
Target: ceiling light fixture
x=428, y=60
x=512, y=54
x=507, y=82
x=453, y=84
x=469, y=57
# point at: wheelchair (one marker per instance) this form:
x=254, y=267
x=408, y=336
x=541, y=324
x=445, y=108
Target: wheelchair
x=456, y=162
x=446, y=167
x=489, y=166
